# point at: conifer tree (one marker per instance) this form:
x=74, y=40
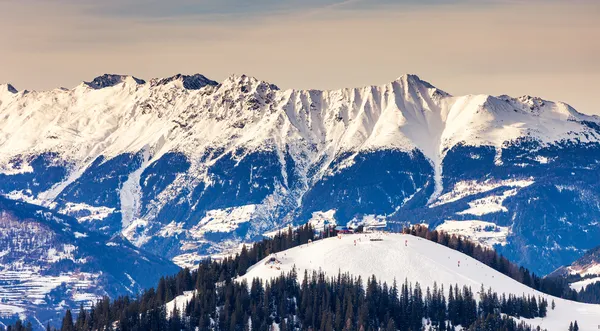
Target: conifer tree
x=67, y=322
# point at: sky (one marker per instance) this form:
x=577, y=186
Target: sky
x=546, y=48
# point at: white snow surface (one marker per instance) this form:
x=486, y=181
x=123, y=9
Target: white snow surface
x=95, y=213
x=223, y=220
x=578, y=286
x=368, y=221
x=180, y=301
x=136, y=232
x=9, y=311
x=485, y=233
x=489, y=204
x=470, y=187
x=130, y=194
x=420, y=261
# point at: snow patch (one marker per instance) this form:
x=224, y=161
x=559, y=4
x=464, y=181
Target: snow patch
x=188, y=260
x=466, y=188
x=180, y=302
x=80, y=235
x=578, y=286
x=223, y=220
x=93, y=213
x=131, y=192
x=136, y=232
x=488, y=205
x=11, y=169
x=368, y=221
x=26, y=196
x=171, y=229
x=542, y=159
x=486, y=233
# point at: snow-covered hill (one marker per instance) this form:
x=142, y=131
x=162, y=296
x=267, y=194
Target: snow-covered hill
x=186, y=167
x=399, y=257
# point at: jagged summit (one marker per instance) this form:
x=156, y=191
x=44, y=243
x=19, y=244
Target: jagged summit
x=413, y=80
x=189, y=82
x=245, y=82
x=108, y=80
x=9, y=88
x=539, y=107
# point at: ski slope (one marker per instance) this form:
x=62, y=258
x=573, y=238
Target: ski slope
x=420, y=261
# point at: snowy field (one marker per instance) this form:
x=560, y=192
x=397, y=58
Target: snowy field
x=578, y=286
x=485, y=233
x=401, y=257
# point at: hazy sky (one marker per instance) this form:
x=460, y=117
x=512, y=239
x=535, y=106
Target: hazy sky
x=545, y=48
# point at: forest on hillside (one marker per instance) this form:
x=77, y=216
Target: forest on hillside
x=318, y=302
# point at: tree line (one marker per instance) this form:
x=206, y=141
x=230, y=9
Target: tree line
x=223, y=304
x=318, y=302
x=558, y=287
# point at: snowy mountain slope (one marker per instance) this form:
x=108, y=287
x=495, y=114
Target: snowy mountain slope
x=418, y=260
x=584, y=271
x=185, y=152
x=588, y=264
x=49, y=263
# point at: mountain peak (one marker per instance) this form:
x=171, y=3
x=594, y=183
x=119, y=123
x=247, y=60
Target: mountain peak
x=189, y=82
x=9, y=88
x=415, y=81
x=409, y=78
x=412, y=79
x=246, y=82
x=108, y=80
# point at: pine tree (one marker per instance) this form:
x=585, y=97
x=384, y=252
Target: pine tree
x=243, y=261
x=67, y=322
x=338, y=315
x=80, y=318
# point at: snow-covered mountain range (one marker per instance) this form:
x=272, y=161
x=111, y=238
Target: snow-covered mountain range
x=186, y=167
x=49, y=262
